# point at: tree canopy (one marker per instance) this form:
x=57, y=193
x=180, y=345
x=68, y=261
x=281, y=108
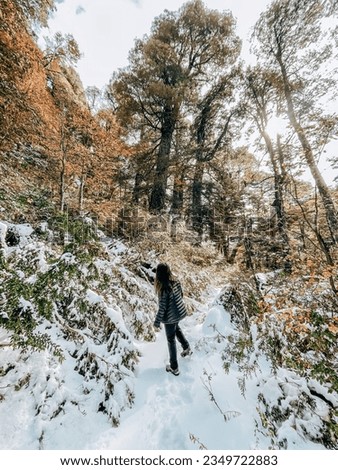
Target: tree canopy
x=167, y=69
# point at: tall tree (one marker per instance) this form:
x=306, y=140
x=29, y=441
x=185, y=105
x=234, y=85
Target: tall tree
x=262, y=99
x=94, y=98
x=169, y=67
x=23, y=93
x=63, y=48
x=290, y=38
x=211, y=130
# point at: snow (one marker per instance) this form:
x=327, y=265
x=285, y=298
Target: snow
x=3, y=230
x=93, y=298
x=48, y=404
x=168, y=409
x=24, y=230
x=4, y=335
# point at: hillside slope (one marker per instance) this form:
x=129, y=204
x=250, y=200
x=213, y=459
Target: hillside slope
x=86, y=369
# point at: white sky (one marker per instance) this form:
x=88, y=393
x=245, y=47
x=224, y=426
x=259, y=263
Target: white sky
x=106, y=29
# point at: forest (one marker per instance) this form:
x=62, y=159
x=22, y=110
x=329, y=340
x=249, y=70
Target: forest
x=99, y=185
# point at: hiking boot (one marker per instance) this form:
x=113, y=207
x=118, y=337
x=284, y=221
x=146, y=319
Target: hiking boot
x=186, y=352
x=173, y=371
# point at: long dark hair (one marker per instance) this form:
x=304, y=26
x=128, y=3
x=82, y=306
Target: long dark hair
x=163, y=278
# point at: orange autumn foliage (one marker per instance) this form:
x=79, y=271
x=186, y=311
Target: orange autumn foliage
x=45, y=124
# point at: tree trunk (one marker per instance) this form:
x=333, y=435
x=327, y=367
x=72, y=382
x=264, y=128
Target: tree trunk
x=177, y=200
x=63, y=173
x=279, y=185
x=137, y=188
x=248, y=253
x=197, y=186
x=81, y=191
x=331, y=214
x=197, y=207
x=158, y=193
x=278, y=188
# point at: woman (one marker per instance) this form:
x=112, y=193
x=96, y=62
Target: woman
x=170, y=311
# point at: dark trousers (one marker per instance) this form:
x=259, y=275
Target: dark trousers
x=172, y=332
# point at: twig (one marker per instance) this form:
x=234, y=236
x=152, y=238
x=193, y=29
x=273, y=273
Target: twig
x=194, y=439
x=228, y=414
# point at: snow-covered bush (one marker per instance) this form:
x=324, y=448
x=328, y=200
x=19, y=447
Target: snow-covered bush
x=291, y=353
x=74, y=301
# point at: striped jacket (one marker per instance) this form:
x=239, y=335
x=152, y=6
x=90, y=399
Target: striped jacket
x=171, y=307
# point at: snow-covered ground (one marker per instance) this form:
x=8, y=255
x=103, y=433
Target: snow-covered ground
x=48, y=404
x=169, y=412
